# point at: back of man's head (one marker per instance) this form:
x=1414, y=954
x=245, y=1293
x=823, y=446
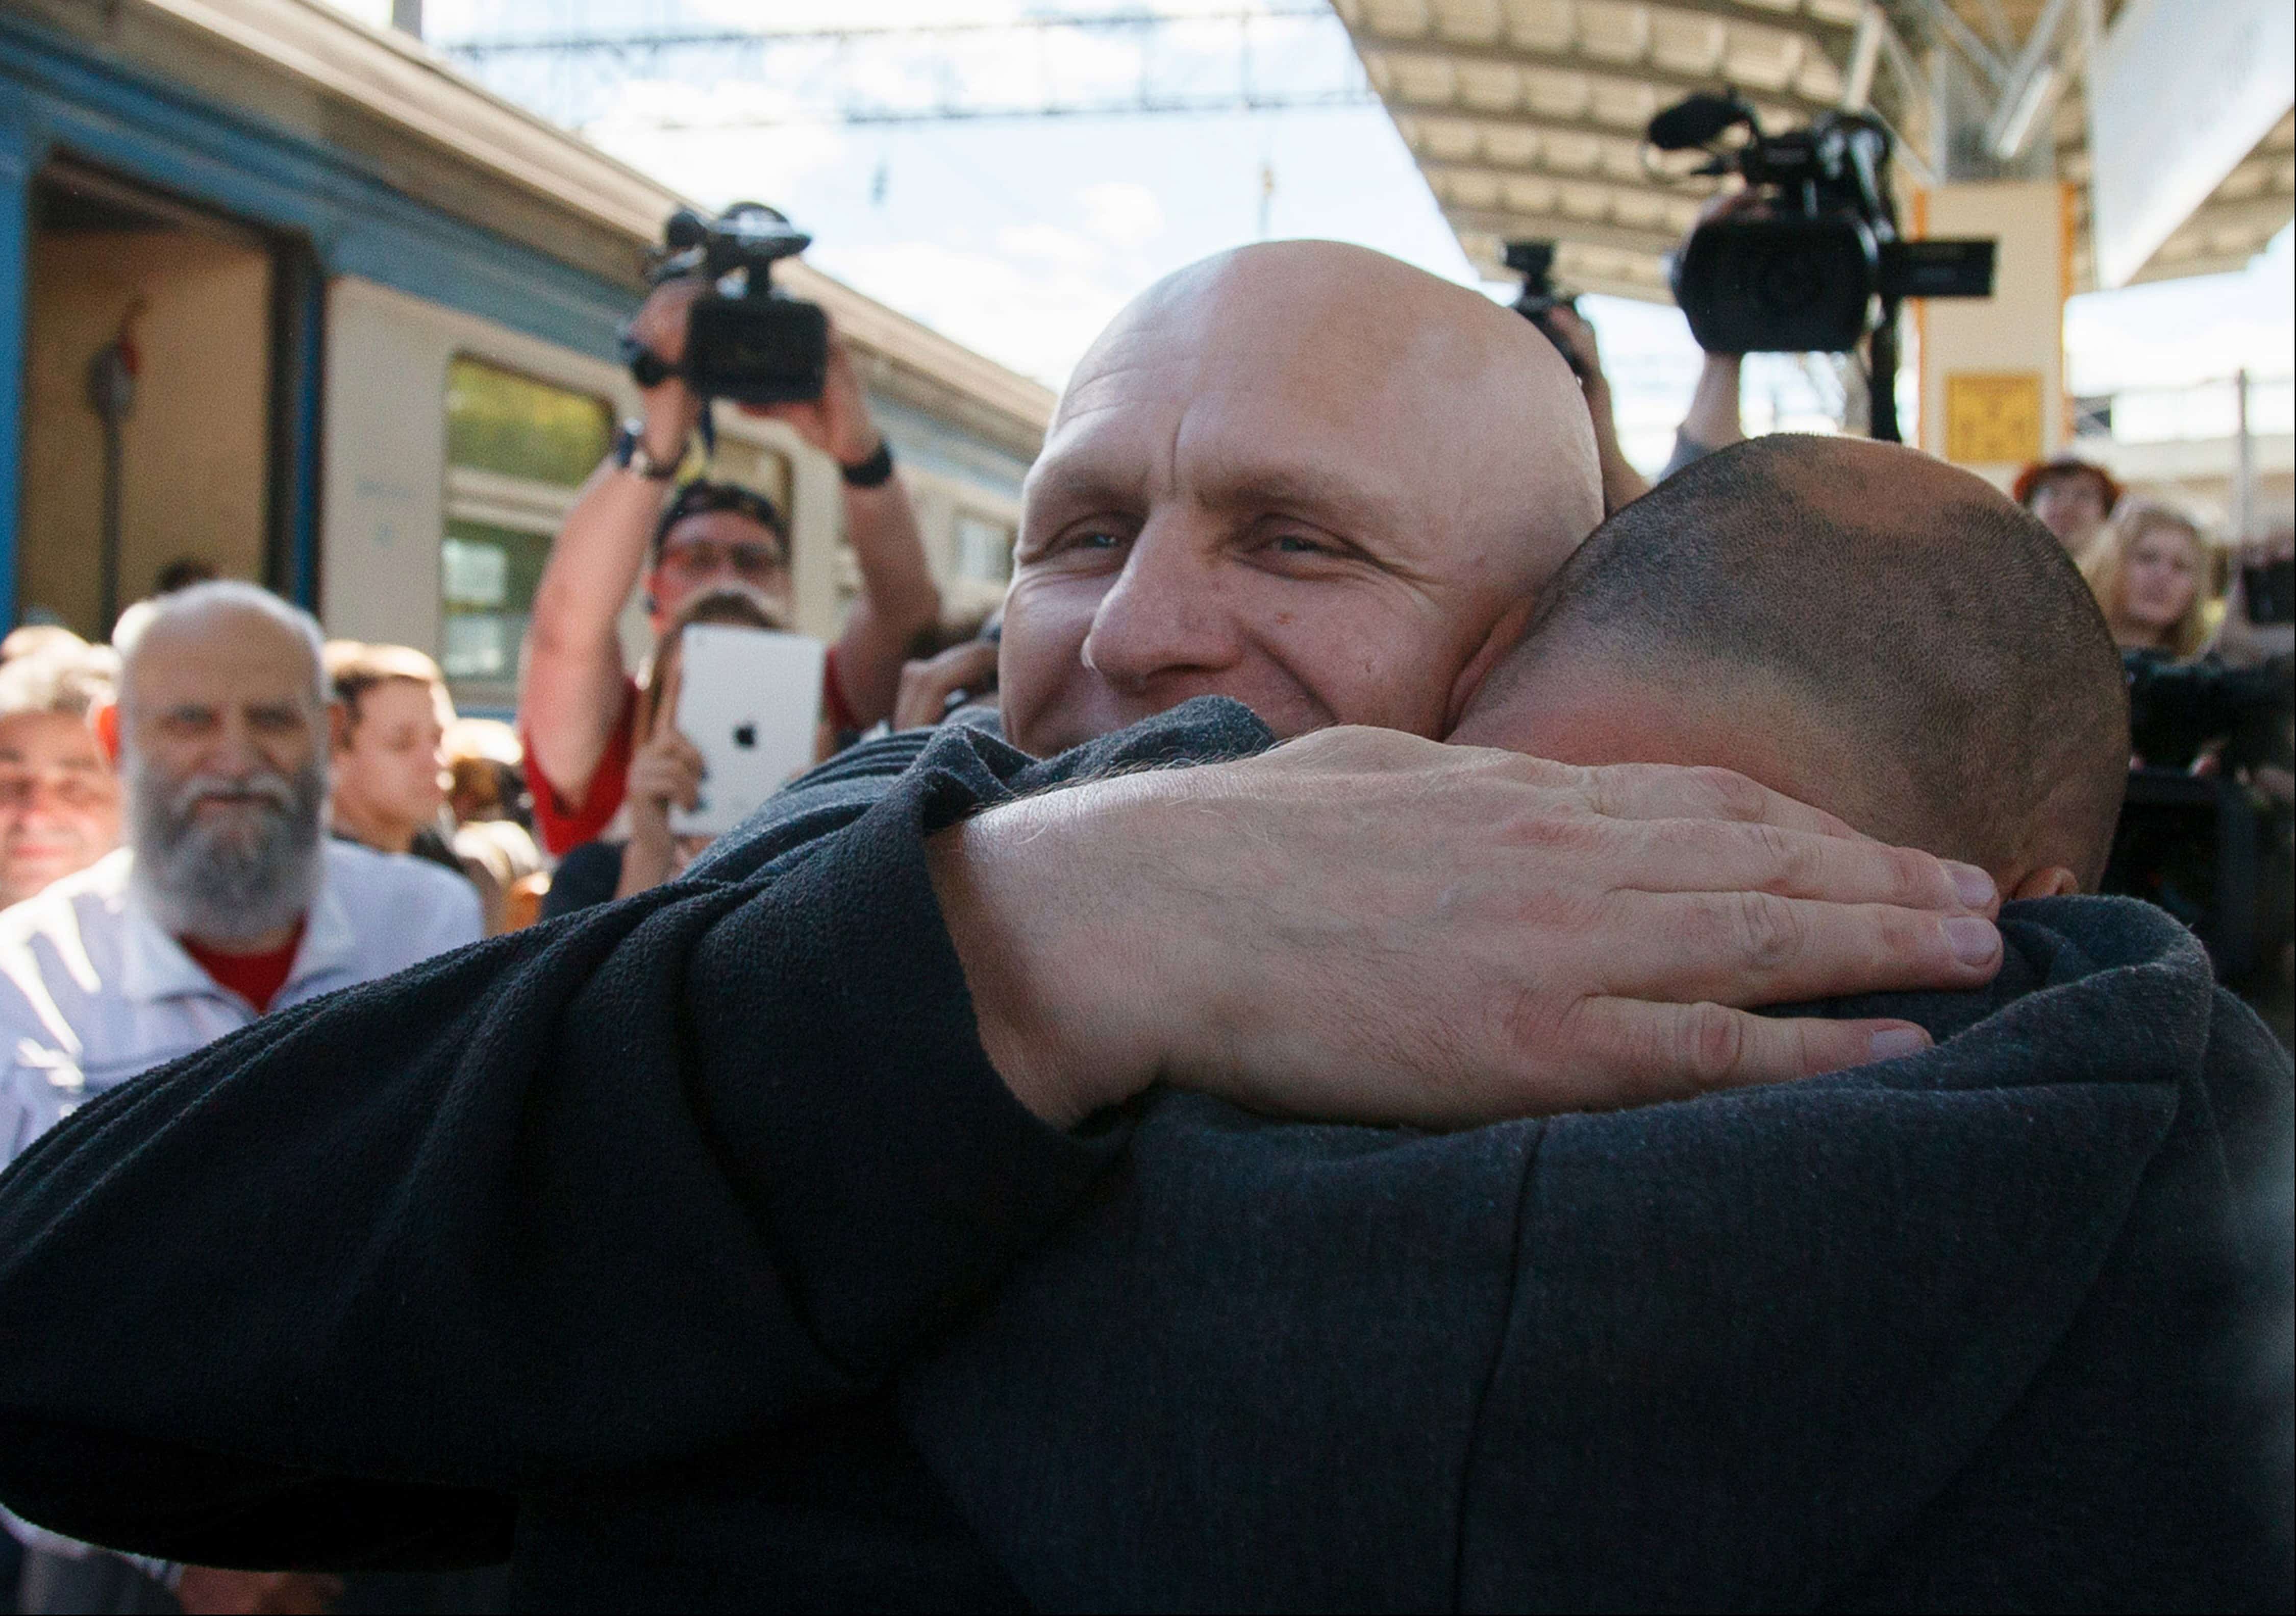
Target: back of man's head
x=1853, y=623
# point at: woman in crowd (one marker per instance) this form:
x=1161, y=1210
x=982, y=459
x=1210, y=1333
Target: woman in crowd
x=2150, y=571
x=665, y=774
x=2071, y=498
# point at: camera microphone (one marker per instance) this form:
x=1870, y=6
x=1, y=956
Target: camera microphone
x=1697, y=120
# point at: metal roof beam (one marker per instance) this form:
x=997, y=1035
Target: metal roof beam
x=1613, y=192
x=1555, y=226
x=1622, y=75
x=1574, y=128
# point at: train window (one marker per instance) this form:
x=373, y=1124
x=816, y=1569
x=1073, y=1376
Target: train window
x=984, y=548
x=513, y=425
x=517, y=451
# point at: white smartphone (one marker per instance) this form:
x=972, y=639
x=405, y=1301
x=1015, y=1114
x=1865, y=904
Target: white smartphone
x=750, y=701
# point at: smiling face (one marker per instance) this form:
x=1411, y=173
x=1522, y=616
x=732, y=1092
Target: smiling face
x=59, y=801
x=1304, y=476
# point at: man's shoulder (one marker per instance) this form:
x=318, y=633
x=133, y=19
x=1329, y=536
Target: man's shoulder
x=93, y=900
x=972, y=766
x=389, y=888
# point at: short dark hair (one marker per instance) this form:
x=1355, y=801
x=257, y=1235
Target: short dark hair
x=1906, y=602
x=354, y=669
x=698, y=495
x=2038, y=475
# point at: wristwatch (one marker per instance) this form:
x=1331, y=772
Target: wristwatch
x=870, y=472
x=630, y=453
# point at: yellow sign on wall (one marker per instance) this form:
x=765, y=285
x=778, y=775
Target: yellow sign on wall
x=1992, y=417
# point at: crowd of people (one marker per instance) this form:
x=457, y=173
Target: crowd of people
x=890, y=1203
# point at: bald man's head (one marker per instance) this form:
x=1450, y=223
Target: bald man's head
x=1854, y=624
x=1302, y=474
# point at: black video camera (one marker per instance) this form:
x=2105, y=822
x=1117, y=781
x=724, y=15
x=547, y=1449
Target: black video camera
x=1820, y=264
x=1535, y=262
x=746, y=340
x=2176, y=709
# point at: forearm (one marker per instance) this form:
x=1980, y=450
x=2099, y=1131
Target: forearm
x=1713, y=421
x=570, y=691
x=458, y=1216
x=647, y=861
x=1622, y=484
x=898, y=598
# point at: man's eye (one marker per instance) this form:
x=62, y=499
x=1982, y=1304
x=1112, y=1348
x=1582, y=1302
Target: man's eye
x=1299, y=543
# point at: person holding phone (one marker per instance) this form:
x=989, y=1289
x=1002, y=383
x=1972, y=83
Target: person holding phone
x=665, y=773
x=578, y=708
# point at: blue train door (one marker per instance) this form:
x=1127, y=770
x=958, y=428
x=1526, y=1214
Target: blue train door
x=168, y=382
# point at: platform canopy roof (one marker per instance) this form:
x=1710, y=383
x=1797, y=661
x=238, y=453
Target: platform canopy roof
x=1526, y=116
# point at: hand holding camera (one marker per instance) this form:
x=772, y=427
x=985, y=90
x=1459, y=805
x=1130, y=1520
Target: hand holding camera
x=716, y=326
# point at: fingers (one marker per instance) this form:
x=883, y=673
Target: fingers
x=665, y=712
x=1742, y=949
x=1663, y=790
x=925, y=685
x=1635, y=1053
x=1681, y=856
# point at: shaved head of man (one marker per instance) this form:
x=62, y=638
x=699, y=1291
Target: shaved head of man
x=1855, y=625
x=1300, y=474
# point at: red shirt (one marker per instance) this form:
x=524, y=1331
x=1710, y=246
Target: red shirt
x=256, y=978
x=565, y=823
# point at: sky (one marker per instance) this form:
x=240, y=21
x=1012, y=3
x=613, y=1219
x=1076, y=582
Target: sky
x=1020, y=238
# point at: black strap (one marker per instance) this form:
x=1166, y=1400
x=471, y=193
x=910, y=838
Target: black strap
x=872, y=473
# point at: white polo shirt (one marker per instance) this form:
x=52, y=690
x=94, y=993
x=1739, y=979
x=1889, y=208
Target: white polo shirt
x=93, y=991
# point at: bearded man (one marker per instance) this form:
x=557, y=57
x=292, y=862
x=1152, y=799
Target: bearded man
x=229, y=899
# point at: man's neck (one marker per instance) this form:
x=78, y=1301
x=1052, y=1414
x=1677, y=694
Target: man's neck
x=369, y=829
x=238, y=948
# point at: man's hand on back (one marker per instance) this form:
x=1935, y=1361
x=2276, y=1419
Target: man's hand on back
x=1362, y=925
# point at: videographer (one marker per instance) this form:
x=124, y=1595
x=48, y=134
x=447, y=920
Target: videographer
x=577, y=703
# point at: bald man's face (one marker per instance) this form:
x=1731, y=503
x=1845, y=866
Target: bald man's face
x=1307, y=478
x=221, y=719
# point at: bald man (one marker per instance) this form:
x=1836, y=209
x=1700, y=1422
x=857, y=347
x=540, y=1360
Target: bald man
x=602, y=1240
x=1302, y=475
x=228, y=900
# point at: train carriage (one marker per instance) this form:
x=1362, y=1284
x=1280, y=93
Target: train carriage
x=283, y=295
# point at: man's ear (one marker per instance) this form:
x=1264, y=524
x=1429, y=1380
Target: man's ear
x=338, y=727
x=104, y=720
x=1495, y=644
x=2051, y=881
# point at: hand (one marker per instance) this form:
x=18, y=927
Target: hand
x=2241, y=640
x=666, y=771
x=206, y=1590
x=672, y=411
x=926, y=686
x=1579, y=338
x=838, y=423
x=1362, y=925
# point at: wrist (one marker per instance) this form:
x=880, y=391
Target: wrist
x=1055, y=982
x=871, y=470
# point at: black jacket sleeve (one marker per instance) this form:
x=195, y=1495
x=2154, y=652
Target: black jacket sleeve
x=1983, y=1328
x=583, y=1200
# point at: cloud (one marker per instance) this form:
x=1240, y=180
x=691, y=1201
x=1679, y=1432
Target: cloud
x=1033, y=314
x=716, y=166
x=1122, y=214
